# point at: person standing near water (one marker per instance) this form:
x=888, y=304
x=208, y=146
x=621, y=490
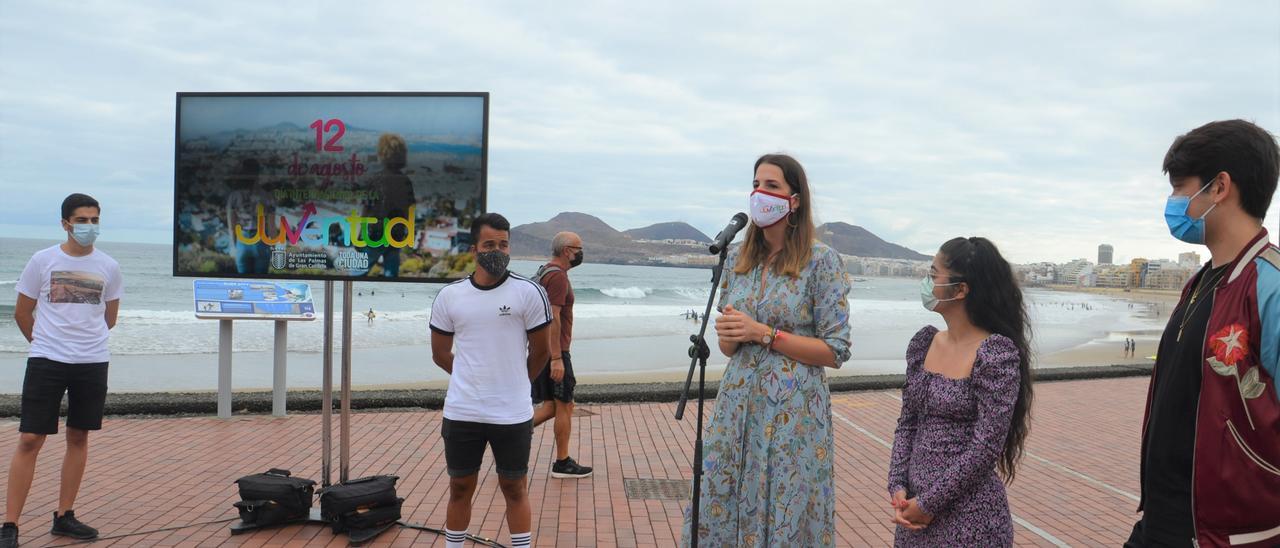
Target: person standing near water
x=488, y=332
x=68, y=300
x=769, y=448
x=965, y=405
x=1210, y=457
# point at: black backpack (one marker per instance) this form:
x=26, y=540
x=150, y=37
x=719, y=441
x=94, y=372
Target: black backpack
x=361, y=504
x=273, y=498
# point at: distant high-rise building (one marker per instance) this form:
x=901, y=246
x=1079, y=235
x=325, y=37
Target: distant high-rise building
x=1104, y=253
x=1189, y=259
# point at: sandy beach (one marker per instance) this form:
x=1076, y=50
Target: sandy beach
x=1157, y=304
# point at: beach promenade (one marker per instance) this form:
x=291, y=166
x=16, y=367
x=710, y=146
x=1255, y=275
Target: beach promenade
x=1077, y=486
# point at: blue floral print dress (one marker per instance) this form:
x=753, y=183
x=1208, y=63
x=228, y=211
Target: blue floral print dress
x=767, y=464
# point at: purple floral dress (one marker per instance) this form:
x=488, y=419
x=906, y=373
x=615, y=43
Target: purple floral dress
x=950, y=435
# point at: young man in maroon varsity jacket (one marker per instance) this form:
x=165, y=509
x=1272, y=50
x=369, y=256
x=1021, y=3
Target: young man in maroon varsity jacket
x=1211, y=435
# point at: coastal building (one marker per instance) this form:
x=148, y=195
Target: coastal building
x=885, y=268
x=1111, y=276
x=1138, y=272
x=1105, y=253
x=1071, y=272
x=1168, y=277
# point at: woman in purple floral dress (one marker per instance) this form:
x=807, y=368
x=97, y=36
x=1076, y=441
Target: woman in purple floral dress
x=965, y=404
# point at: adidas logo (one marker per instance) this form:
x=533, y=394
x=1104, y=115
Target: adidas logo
x=504, y=310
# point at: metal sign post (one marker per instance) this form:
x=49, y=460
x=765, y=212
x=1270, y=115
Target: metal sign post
x=345, y=416
x=224, y=369
x=326, y=401
x=278, y=391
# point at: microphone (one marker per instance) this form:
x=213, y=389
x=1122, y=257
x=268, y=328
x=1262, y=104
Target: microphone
x=736, y=224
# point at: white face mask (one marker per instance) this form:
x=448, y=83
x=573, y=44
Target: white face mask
x=768, y=208
x=927, y=299
x=84, y=234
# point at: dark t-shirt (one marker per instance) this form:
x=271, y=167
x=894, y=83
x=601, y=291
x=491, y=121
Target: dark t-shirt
x=1171, y=428
x=560, y=293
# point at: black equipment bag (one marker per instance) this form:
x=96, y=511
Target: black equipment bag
x=274, y=497
x=363, y=503
x=373, y=518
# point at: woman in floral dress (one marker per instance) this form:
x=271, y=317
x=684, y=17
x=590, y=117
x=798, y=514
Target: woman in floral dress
x=767, y=463
x=965, y=404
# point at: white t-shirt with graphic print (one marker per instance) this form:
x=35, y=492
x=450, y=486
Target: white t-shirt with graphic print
x=71, y=295
x=490, y=328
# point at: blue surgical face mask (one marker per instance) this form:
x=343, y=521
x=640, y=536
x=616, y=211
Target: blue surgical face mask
x=927, y=298
x=84, y=234
x=1181, y=225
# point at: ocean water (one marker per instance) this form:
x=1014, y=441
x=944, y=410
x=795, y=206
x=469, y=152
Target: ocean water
x=628, y=319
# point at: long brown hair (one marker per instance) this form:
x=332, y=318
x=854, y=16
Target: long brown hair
x=798, y=243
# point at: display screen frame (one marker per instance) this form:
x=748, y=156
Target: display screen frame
x=177, y=198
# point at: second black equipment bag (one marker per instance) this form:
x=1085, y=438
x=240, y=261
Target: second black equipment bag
x=362, y=503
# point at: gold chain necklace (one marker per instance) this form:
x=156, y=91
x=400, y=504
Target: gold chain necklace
x=1192, y=304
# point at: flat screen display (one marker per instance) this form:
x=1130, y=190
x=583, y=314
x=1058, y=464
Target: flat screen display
x=328, y=186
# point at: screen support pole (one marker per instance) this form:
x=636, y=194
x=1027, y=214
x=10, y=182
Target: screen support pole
x=345, y=416
x=326, y=392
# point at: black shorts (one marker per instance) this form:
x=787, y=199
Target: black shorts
x=464, y=447
x=46, y=380
x=545, y=389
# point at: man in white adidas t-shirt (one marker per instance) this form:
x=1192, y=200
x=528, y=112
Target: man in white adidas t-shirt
x=68, y=297
x=489, y=333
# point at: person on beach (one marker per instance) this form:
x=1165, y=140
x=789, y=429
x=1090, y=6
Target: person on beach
x=68, y=299
x=769, y=449
x=556, y=382
x=965, y=405
x=488, y=332
x=1210, y=457
x=371, y=315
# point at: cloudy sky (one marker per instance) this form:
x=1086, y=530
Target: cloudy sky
x=1041, y=125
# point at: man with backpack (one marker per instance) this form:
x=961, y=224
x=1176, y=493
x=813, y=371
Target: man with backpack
x=556, y=382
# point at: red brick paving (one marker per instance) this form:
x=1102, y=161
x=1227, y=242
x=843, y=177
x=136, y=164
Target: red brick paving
x=149, y=474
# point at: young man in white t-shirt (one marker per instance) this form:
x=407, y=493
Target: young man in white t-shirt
x=68, y=298
x=489, y=333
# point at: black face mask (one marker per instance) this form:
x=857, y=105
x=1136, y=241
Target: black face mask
x=577, y=259
x=493, y=262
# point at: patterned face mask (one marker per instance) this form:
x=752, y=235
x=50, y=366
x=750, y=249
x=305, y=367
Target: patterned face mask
x=768, y=208
x=493, y=262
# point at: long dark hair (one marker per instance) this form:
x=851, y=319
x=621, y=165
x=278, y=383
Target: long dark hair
x=994, y=303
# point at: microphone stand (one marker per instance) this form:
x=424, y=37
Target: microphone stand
x=698, y=354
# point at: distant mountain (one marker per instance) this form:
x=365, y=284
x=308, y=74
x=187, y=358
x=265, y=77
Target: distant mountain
x=590, y=228
x=605, y=244
x=855, y=240
x=668, y=231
